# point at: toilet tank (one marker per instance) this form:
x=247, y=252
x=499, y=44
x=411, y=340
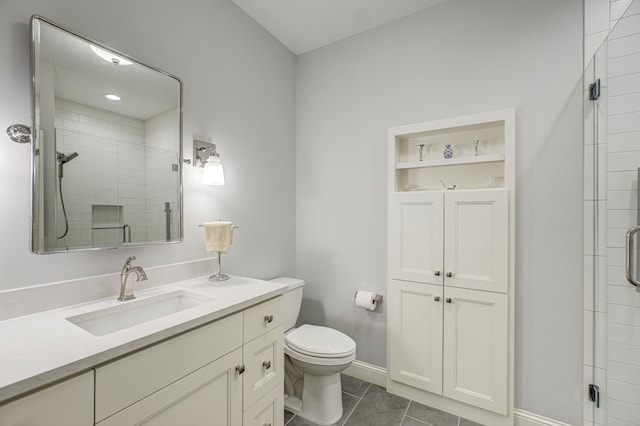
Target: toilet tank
x=292, y=300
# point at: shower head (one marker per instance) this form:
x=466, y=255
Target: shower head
x=63, y=158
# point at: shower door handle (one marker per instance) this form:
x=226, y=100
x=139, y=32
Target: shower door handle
x=628, y=257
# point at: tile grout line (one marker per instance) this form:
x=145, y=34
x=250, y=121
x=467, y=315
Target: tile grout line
x=357, y=403
x=406, y=410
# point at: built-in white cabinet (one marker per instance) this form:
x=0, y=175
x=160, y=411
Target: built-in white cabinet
x=68, y=403
x=455, y=238
x=451, y=264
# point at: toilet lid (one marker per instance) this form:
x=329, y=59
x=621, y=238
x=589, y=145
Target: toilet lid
x=320, y=341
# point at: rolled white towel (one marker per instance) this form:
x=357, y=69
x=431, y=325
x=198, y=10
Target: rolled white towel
x=218, y=236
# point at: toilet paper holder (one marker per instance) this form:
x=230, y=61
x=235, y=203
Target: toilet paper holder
x=377, y=298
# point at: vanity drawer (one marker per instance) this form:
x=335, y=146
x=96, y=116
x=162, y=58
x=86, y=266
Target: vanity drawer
x=130, y=379
x=268, y=411
x=264, y=365
x=262, y=318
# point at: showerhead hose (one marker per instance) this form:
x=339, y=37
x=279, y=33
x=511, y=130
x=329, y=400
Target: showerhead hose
x=62, y=159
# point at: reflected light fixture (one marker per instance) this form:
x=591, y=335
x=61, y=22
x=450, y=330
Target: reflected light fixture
x=110, y=57
x=206, y=156
x=112, y=97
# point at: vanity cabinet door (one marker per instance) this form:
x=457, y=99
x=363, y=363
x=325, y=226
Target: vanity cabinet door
x=415, y=335
x=264, y=365
x=68, y=403
x=475, y=369
x=211, y=395
x=415, y=236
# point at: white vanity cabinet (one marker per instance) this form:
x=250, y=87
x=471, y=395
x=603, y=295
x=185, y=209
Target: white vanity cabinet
x=212, y=375
x=68, y=403
x=451, y=265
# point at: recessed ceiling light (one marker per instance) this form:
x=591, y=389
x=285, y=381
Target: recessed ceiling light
x=110, y=57
x=112, y=97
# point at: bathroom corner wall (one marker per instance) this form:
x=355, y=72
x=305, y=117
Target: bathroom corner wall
x=460, y=57
x=239, y=92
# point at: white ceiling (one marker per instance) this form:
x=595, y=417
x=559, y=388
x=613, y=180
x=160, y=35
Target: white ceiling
x=304, y=25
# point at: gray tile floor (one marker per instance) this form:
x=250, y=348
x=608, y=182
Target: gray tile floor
x=366, y=404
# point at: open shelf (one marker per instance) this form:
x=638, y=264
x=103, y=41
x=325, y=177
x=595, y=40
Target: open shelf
x=451, y=161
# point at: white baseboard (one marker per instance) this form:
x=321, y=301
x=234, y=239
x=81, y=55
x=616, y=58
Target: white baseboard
x=378, y=375
x=367, y=372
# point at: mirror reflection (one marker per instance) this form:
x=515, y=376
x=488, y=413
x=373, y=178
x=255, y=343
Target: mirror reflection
x=107, y=146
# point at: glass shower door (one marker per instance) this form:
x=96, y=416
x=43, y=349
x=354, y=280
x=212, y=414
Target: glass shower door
x=612, y=159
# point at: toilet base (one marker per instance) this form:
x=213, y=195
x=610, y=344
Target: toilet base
x=321, y=399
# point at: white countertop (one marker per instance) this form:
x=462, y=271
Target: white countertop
x=44, y=347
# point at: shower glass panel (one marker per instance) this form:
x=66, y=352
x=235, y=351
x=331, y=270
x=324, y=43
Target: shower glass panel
x=612, y=155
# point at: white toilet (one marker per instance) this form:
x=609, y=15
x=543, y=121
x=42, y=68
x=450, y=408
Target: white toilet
x=314, y=358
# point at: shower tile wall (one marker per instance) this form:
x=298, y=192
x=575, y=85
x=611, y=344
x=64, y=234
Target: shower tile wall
x=117, y=158
x=612, y=308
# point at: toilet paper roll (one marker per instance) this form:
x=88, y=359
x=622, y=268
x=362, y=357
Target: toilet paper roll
x=365, y=299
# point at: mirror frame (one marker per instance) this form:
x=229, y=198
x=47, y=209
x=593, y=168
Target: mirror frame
x=35, y=248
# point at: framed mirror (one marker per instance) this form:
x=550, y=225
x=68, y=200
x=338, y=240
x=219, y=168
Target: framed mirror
x=107, y=146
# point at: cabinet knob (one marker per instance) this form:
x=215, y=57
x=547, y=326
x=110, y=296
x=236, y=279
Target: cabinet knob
x=266, y=364
x=437, y=298
x=448, y=300
x=268, y=318
x=449, y=274
x=436, y=273
x=240, y=368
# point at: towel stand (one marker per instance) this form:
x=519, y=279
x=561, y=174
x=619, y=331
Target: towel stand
x=219, y=276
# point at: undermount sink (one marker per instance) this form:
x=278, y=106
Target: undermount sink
x=128, y=314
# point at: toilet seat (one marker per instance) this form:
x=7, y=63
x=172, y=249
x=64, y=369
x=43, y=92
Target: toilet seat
x=320, y=342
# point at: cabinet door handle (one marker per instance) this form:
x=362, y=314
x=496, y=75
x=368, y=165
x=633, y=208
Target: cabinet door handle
x=266, y=364
x=436, y=273
x=449, y=274
x=266, y=424
x=240, y=368
x=268, y=318
x=437, y=298
x=448, y=300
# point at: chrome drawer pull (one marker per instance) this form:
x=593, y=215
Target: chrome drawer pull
x=266, y=364
x=240, y=368
x=268, y=318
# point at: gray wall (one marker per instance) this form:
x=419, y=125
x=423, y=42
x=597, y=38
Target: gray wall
x=461, y=57
x=239, y=92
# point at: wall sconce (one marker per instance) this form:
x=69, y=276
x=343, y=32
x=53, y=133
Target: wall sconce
x=19, y=133
x=206, y=156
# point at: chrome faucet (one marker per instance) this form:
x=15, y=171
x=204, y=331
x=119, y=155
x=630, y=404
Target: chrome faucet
x=126, y=291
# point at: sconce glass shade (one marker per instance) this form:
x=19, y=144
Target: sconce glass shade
x=213, y=172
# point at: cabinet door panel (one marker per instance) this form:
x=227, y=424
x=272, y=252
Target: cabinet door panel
x=476, y=240
x=208, y=396
x=68, y=403
x=269, y=410
x=475, y=348
x=415, y=335
x=415, y=236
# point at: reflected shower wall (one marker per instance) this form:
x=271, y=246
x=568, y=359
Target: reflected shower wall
x=612, y=157
x=116, y=191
